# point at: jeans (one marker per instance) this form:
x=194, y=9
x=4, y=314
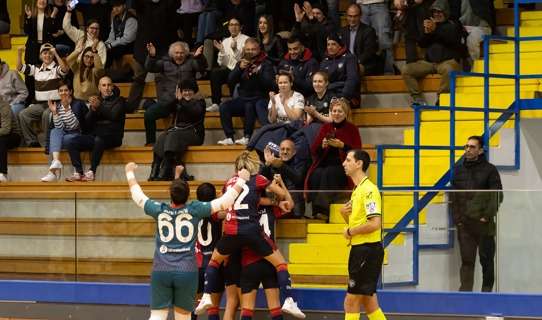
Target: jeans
x=206, y=24
x=59, y=138
x=218, y=77
x=154, y=112
x=377, y=15
x=17, y=107
x=250, y=108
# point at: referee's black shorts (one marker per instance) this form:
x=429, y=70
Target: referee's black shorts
x=258, y=272
x=364, y=266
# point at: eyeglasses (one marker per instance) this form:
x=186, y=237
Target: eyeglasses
x=470, y=146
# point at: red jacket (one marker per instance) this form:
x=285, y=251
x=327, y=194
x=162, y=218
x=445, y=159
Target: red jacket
x=346, y=132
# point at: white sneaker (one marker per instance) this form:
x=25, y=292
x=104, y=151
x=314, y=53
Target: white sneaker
x=226, y=142
x=290, y=307
x=89, y=176
x=49, y=177
x=243, y=141
x=213, y=108
x=56, y=164
x=3, y=178
x=204, y=304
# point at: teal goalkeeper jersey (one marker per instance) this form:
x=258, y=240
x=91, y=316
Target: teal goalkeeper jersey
x=176, y=232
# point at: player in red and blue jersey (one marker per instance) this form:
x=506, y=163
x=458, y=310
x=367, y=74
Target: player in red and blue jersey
x=242, y=228
x=256, y=270
x=174, y=275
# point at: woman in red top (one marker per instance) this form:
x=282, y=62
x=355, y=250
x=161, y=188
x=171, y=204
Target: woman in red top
x=329, y=150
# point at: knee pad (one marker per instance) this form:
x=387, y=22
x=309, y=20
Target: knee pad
x=182, y=316
x=159, y=314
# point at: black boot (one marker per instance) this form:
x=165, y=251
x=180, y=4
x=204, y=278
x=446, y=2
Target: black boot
x=167, y=170
x=155, y=168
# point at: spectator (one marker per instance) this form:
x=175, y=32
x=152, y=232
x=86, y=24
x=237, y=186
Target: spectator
x=285, y=112
x=255, y=76
x=474, y=213
x=67, y=116
x=411, y=15
x=98, y=11
x=39, y=27
x=207, y=20
x=318, y=103
x=342, y=68
x=328, y=151
x=12, y=88
x=478, y=18
x=5, y=23
x=270, y=42
x=291, y=169
x=444, y=49
x=360, y=39
x=161, y=35
x=123, y=32
x=62, y=42
x=376, y=14
x=180, y=66
x=105, y=124
x=10, y=136
x=187, y=130
x=189, y=12
x=313, y=27
x=245, y=10
x=287, y=105
x=301, y=64
x=333, y=11
x=229, y=54
x=87, y=69
x=47, y=77
x=88, y=37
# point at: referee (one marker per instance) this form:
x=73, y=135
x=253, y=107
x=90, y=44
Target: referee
x=363, y=216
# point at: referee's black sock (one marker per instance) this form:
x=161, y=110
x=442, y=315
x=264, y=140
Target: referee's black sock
x=283, y=277
x=211, y=276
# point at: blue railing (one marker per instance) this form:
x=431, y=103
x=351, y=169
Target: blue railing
x=410, y=221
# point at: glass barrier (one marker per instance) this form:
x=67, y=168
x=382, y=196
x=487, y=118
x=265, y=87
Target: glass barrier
x=103, y=236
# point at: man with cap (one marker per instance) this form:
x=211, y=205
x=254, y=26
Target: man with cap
x=47, y=78
x=343, y=70
x=123, y=32
x=187, y=130
x=444, y=50
x=361, y=41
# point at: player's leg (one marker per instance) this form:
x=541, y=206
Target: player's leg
x=270, y=285
x=249, y=283
x=212, y=274
x=213, y=313
x=370, y=303
x=185, y=286
x=248, y=301
x=181, y=314
x=232, y=302
x=232, y=280
x=159, y=314
x=352, y=306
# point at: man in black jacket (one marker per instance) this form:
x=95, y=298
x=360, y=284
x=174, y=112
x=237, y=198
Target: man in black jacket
x=445, y=49
x=291, y=169
x=105, y=124
x=256, y=78
x=474, y=213
x=300, y=63
x=360, y=39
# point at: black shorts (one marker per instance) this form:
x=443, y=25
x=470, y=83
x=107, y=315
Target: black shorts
x=232, y=270
x=259, y=242
x=201, y=280
x=364, y=267
x=258, y=272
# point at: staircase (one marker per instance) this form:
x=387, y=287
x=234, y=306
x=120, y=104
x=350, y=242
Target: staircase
x=424, y=160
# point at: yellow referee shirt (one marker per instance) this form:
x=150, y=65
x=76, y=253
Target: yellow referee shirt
x=366, y=203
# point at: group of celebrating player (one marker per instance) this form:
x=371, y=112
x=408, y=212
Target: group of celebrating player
x=222, y=244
